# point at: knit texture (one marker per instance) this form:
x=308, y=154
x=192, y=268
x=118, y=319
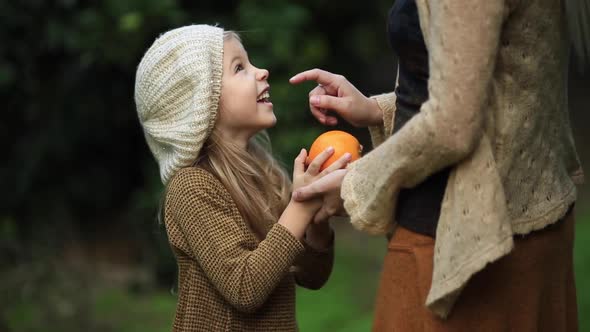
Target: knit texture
x=228, y=280
x=497, y=111
x=177, y=89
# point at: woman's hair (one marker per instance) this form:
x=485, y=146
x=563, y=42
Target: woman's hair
x=578, y=16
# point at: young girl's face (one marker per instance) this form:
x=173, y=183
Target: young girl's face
x=245, y=106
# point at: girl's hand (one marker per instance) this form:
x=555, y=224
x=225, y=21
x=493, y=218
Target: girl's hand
x=303, y=177
x=298, y=215
x=328, y=187
x=335, y=93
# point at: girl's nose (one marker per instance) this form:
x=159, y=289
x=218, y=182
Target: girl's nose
x=262, y=74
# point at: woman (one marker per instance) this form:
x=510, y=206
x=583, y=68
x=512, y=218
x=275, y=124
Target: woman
x=476, y=185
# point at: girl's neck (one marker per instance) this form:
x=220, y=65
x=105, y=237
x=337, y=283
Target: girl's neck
x=239, y=140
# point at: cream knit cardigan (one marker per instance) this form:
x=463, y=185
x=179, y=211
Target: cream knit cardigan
x=497, y=112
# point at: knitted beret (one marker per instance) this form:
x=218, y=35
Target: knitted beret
x=177, y=89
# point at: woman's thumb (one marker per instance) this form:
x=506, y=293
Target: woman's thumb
x=305, y=193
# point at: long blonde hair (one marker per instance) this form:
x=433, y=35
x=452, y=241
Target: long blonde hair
x=578, y=16
x=257, y=182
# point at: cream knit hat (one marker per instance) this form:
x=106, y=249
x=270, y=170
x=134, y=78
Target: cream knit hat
x=177, y=88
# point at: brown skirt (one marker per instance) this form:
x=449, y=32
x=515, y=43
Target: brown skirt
x=530, y=289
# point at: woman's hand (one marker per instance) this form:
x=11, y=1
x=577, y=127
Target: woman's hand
x=336, y=94
x=327, y=187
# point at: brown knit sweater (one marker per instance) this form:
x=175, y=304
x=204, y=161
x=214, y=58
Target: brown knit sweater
x=228, y=280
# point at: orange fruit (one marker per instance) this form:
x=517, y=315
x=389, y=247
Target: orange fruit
x=341, y=141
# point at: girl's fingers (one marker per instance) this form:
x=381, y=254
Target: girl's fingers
x=314, y=168
x=299, y=163
x=342, y=162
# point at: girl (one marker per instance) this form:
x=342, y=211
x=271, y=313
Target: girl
x=203, y=107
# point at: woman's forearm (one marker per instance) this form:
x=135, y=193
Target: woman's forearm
x=376, y=113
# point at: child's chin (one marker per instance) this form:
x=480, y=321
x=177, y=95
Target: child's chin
x=272, y=121
x=269, y=122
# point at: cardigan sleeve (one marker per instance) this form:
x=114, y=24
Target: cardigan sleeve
x=380, y=133
x=463, y=38
x=386, y=102
x=213, y=233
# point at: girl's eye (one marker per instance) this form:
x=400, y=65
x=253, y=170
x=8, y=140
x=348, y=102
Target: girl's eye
x=239, y=67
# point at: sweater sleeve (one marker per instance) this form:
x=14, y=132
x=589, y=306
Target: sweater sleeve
x=386, y=102
x=216, y=236
x=463, y=38
x=313, y=268
x=380, y=133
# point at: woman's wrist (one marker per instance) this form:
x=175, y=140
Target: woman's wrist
x=375, y=112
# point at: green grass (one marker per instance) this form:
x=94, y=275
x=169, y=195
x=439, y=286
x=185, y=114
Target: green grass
x=345, y=304
x=122, y=311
